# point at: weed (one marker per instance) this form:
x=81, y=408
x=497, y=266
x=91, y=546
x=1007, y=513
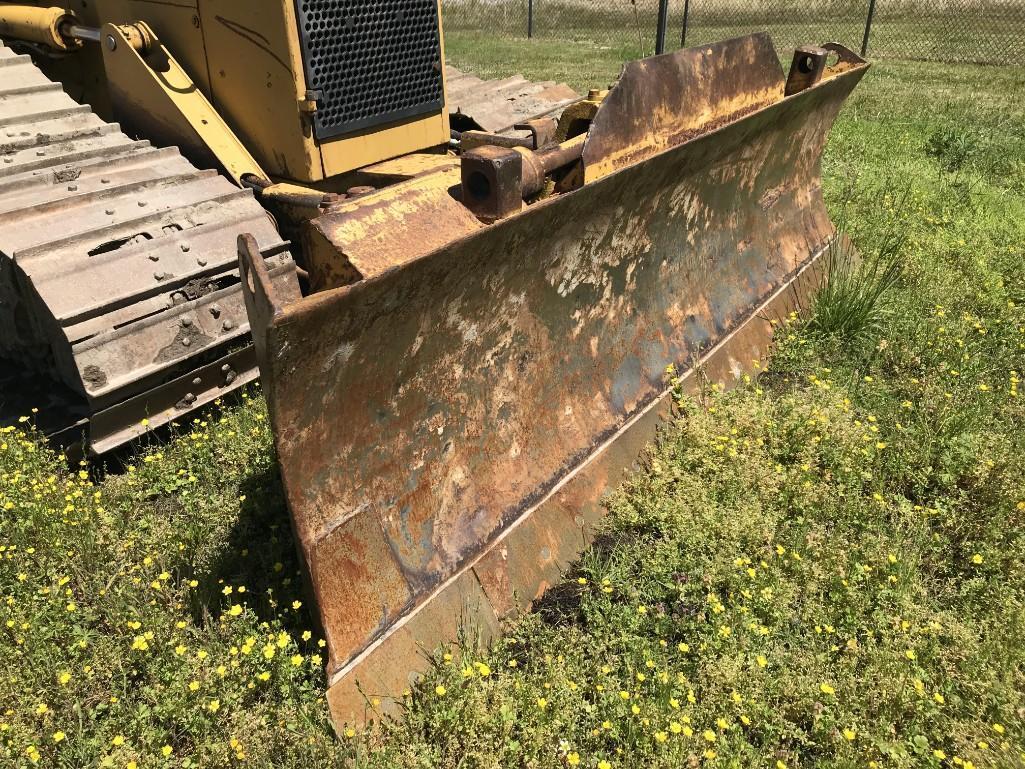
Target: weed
x=852, y=302
x=953, y=146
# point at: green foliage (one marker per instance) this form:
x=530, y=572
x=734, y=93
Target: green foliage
x=953, y=147
x=820, y=568
x=851, y=303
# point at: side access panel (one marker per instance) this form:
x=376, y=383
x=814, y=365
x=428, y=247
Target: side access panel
x=446, y=426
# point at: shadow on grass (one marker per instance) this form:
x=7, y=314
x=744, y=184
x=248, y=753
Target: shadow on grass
x=261, y=554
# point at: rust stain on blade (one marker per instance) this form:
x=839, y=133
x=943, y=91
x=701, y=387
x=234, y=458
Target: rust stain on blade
x=376, y=232
x=441, y=400
x=519, y=566
x=663, y=101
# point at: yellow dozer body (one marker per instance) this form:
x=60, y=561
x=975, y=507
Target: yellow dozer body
x=467, y=299
x=120, y=307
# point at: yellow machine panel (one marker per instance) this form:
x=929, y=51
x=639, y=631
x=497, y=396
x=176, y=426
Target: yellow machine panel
x=313, y=92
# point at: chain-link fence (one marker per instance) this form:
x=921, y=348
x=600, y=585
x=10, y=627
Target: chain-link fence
x=982, y=31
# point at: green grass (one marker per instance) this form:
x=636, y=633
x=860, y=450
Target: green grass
x=821, y=568
x=583, y=43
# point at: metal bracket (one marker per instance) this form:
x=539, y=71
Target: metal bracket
x=471, y=140
x=261, y=300
x=152, y=94
x=542, y=131
x=492, y=183
x=308, y=104
x=806, y=69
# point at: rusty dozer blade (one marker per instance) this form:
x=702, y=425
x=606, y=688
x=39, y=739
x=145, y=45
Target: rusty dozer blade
x=447, y=424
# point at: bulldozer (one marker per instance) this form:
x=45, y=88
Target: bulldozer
x=461, y=296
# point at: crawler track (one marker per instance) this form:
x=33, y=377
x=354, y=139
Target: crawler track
x=119, y=293
x=498, y=105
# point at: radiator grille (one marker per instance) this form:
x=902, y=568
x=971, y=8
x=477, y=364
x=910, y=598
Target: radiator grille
x=371, y=61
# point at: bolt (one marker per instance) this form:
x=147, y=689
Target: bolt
x=109, y=212
x=225, y=368
x=143, y=204
x=186, y=341
x=72, y=188
x=104, y=180
x=111, y=43
x=228, y=325
x=189, y=398
x=40, y=153
x=185, y=247
x=593, y=94
x=152, y=257
x=201, y=262
x=197, y=381
x=177, y=297
x=215, y=310
x=158, y=275
x=186, y=322
x=8, y=160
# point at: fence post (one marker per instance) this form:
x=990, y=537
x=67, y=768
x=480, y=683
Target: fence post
x=868, y=27
x=530, y=18
x=663, y=23
x=686, y=15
